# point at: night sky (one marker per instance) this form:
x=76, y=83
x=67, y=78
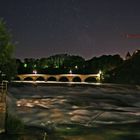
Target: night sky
x=88, y=28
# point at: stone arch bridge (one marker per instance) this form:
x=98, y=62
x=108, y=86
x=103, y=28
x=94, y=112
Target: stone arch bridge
x=58, y=77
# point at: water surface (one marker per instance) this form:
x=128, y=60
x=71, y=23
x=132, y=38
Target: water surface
x=79, y=112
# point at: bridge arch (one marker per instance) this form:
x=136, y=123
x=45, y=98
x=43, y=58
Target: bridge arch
x=17, y=78
x=90, y=79
x=52, y=79
x=40, y=78
x=76, y=79
x=63, y=79
x=28, y=78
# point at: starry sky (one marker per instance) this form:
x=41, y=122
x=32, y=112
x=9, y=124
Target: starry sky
x=41, y=28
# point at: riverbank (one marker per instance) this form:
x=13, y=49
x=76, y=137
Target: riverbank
x=71, y=132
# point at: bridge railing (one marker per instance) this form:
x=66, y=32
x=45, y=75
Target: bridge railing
x=3, y=86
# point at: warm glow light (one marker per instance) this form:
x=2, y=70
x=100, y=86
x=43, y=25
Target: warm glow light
x=99, y=75
x=34, y=71
x=100, y=72
x=25, y=65
x=70, y=71
x=76, y=67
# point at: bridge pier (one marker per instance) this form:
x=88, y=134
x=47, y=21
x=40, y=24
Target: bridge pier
x=70, y=79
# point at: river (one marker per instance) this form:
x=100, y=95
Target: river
x=71, y=111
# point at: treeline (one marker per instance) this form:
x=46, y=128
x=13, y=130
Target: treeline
x=64, y=63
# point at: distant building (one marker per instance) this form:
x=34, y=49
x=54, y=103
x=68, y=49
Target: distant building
x=137, y=52
x=128, y=56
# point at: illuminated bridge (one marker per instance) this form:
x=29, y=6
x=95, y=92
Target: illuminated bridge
x=59, y=77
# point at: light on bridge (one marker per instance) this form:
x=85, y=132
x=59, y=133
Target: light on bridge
x=100, y=75
x=70, y=71
x=34, y=71
x=100, y=72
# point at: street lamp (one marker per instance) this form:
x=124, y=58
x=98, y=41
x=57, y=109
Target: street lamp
x=70, y=71
x=100, y=75
x=100, y=72
x=34, y=71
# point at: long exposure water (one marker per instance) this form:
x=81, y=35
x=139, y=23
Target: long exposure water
x=78, y=111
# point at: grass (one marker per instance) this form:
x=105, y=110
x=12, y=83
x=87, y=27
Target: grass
x=14, y=125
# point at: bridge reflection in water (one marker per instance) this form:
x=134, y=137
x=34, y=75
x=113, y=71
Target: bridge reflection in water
x=60, y=77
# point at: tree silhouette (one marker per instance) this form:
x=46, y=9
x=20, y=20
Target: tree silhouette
x=7, y=63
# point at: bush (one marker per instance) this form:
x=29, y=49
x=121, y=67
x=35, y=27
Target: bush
x=14, y=125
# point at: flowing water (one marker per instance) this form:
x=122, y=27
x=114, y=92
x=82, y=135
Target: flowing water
x=78, y=111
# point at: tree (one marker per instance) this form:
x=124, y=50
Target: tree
x=104, y=63
x=74, y=64
x=7, y=63
x=128, y=72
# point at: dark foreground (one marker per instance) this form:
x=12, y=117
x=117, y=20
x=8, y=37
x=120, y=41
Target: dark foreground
x=75, y=112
